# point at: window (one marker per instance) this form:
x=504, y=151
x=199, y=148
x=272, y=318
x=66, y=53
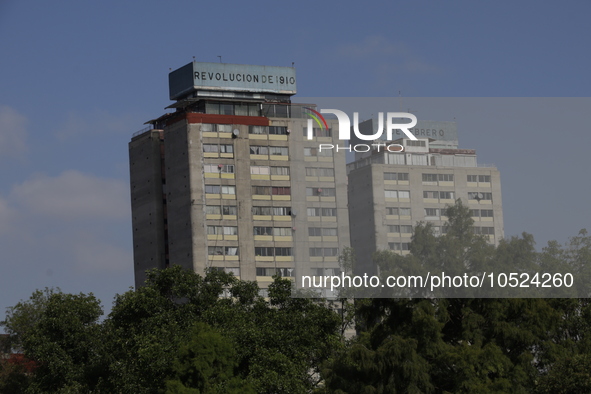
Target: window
x=210, y=148
x=222, y=128
x=404, y=211
x=314, y=231
x=279, y=170
x=215, y=250
x=281, y=191
x=217, y=210
x=318, y=231
x=212, y=189
x=484, y=230
x=329, y=212
x=230, y=230
x=483, y=213
x=430, y=194
x=231, y=250
x=406, y=228
x=234, y=271
x=277, y=211
x=445, y=177
x=262, y=211
x=222, y=250
x=259, y=150
x=279, y=150
x=399, y=245
x=281, y=211
x=323, y=252
x=261, y=190
x=329, y=232
x=219, y=168
x=214, y=230
x=314, y=212
x=283, y=252
x=276, y=231
x=416, y=143
x=228, y=189
x=327, y=172
x=226, y=148
x=403, y=194
x=257, y=129
x=326, y=271
x=317, y=152
x=429, y=177
x=486, y=213
x=322, y=211
x=259, y=170
x=314, y=252
x=282, y=231
x=229, y=210
x=397, y=193
x=210, y=168
x=317, y=132
x=391, y=193
x=478, y=196
x=396, y=176
x=263, y=251
x=227, y=169
x=278, y=130
x=432, y=212
x=262, y=230
x=438, y=195
x=288, y=272
x=479, y=178
x=214, y=148
x=391, y=211
x=225, y=108
x=395, y=228
x=207, y=127
x=212, y=210
x=324, y=192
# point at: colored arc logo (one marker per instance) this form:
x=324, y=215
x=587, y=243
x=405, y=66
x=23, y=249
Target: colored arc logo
x=316, y=115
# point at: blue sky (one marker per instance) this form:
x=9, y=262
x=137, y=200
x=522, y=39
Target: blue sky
x=78, y=78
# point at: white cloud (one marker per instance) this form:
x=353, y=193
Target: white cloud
x=13, y=133
x=74, y=195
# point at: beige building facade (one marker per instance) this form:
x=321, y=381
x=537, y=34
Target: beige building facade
x=390, y=192
x=229, y=181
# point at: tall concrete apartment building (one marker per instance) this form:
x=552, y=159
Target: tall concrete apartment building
x=390, y=192
x=228, y=180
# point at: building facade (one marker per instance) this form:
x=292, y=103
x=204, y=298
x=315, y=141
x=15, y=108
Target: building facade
x=389, y=192
x=228, y=180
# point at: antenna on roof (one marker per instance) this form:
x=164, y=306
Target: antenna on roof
x=292, y=63
x=220, y=58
